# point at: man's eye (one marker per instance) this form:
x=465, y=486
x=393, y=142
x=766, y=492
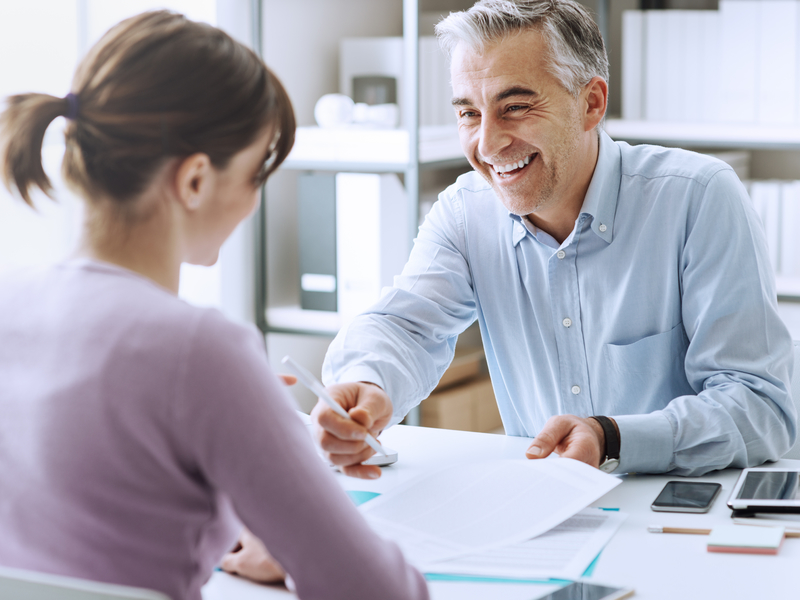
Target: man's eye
x=467, y=114
x=515, y=107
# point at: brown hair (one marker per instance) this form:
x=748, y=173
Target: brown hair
x=155, y=86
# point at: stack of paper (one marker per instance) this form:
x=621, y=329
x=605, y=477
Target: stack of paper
x=564, y=552
x=464, y=514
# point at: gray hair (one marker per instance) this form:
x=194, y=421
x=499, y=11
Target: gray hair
x=577, y=52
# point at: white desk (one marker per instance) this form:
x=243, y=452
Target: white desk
x=657, y=566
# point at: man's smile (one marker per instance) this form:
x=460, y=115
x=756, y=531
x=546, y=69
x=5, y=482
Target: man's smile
x=512, y=168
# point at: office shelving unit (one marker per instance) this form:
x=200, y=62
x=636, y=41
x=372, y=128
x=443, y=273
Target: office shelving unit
x=410, y=153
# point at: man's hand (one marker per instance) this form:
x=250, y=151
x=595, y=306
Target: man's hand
x=343, y=440
x=252, y=560
x=571, y=437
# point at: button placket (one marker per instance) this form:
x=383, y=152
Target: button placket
x=565, y=299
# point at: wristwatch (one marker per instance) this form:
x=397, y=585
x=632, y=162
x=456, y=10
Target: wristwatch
x=611, y=452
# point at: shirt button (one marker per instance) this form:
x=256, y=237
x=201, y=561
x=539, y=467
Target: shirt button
x=566, y=322
x=602, y=227
x=561, y=254
x=576, y=389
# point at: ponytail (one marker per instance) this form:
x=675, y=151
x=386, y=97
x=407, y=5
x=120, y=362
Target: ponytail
x=156, y=86
x=22, y=127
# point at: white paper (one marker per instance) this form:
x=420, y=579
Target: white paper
x=655, y=60
x=632, y=52
x=777, y=62
x=739, y=68
x=564, y=552
x=790, y=221
x=477, y=506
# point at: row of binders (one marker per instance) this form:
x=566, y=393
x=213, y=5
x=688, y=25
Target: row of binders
x=778, y=205
x=738, y=64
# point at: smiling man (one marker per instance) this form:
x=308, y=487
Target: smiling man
x=624, y=294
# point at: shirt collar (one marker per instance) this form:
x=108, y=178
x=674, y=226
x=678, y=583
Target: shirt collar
x=601, y=198
x=600, y=202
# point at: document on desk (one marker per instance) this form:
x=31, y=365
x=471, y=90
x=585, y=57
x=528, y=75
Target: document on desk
x=564, y=552
x=469, y=508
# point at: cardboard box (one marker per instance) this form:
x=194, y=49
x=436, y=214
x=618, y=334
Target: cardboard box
x=469, y=406
x=467, y=364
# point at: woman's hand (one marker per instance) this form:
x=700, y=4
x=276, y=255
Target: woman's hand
x=251, y=559
x=287, y=379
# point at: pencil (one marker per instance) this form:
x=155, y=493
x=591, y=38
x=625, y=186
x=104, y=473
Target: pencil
x=660, y=529
x=692, y=531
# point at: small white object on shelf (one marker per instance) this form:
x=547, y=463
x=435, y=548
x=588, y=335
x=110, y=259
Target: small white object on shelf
x=334, y=110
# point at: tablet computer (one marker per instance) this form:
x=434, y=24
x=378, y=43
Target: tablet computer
x=766, y=490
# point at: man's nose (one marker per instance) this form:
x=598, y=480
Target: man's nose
x=494, y=138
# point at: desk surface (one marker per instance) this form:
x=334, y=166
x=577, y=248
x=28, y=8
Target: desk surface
x=657, y=566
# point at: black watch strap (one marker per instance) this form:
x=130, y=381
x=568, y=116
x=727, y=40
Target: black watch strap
x=611, y=435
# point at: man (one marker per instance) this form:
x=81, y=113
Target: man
x=624, y=294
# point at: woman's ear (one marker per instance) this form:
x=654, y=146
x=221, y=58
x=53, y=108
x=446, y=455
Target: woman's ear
x=193, y=180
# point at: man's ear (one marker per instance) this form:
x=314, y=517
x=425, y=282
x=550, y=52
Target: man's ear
x=595, y=102
x=193, y=180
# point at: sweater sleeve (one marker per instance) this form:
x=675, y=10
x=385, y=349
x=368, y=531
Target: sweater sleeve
x=240, y=433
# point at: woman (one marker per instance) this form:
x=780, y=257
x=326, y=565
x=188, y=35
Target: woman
x=137, y=428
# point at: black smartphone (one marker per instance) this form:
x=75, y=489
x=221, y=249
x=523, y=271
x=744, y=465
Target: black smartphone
x=580, y=590
x=687, y=496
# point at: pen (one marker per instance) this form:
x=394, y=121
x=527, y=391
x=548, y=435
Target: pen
x=660, y=529
x=313, y=384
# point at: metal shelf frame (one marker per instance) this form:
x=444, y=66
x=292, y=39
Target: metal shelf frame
x=411, y=171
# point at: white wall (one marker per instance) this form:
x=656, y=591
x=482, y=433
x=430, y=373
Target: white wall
x=41, y=42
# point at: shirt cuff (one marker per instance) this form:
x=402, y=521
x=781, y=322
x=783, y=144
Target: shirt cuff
x=359, y=373
x=646, y=443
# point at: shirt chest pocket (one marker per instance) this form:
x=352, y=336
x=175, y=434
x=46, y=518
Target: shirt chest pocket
x=643, y=376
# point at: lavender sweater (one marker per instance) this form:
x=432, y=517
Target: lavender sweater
x=134, y=428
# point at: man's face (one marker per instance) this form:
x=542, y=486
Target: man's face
x=511, y=111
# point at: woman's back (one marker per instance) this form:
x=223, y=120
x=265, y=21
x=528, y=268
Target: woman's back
x=97, y=472
x=127, y=412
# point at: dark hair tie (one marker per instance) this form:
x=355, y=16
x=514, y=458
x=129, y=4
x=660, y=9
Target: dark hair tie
x=72, y=106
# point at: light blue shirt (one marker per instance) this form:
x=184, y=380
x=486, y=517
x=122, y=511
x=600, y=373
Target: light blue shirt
x=659, y=310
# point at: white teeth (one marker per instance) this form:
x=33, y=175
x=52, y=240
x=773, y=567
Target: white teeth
x=511, y=167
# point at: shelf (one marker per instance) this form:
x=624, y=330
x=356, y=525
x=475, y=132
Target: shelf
x=788, y=288
x=372, y=150
x=710, y=135
x=293, y=319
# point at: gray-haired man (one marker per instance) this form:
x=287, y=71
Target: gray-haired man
x=624, y=294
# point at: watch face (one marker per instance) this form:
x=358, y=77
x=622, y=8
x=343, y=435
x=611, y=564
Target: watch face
x=609, y=465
